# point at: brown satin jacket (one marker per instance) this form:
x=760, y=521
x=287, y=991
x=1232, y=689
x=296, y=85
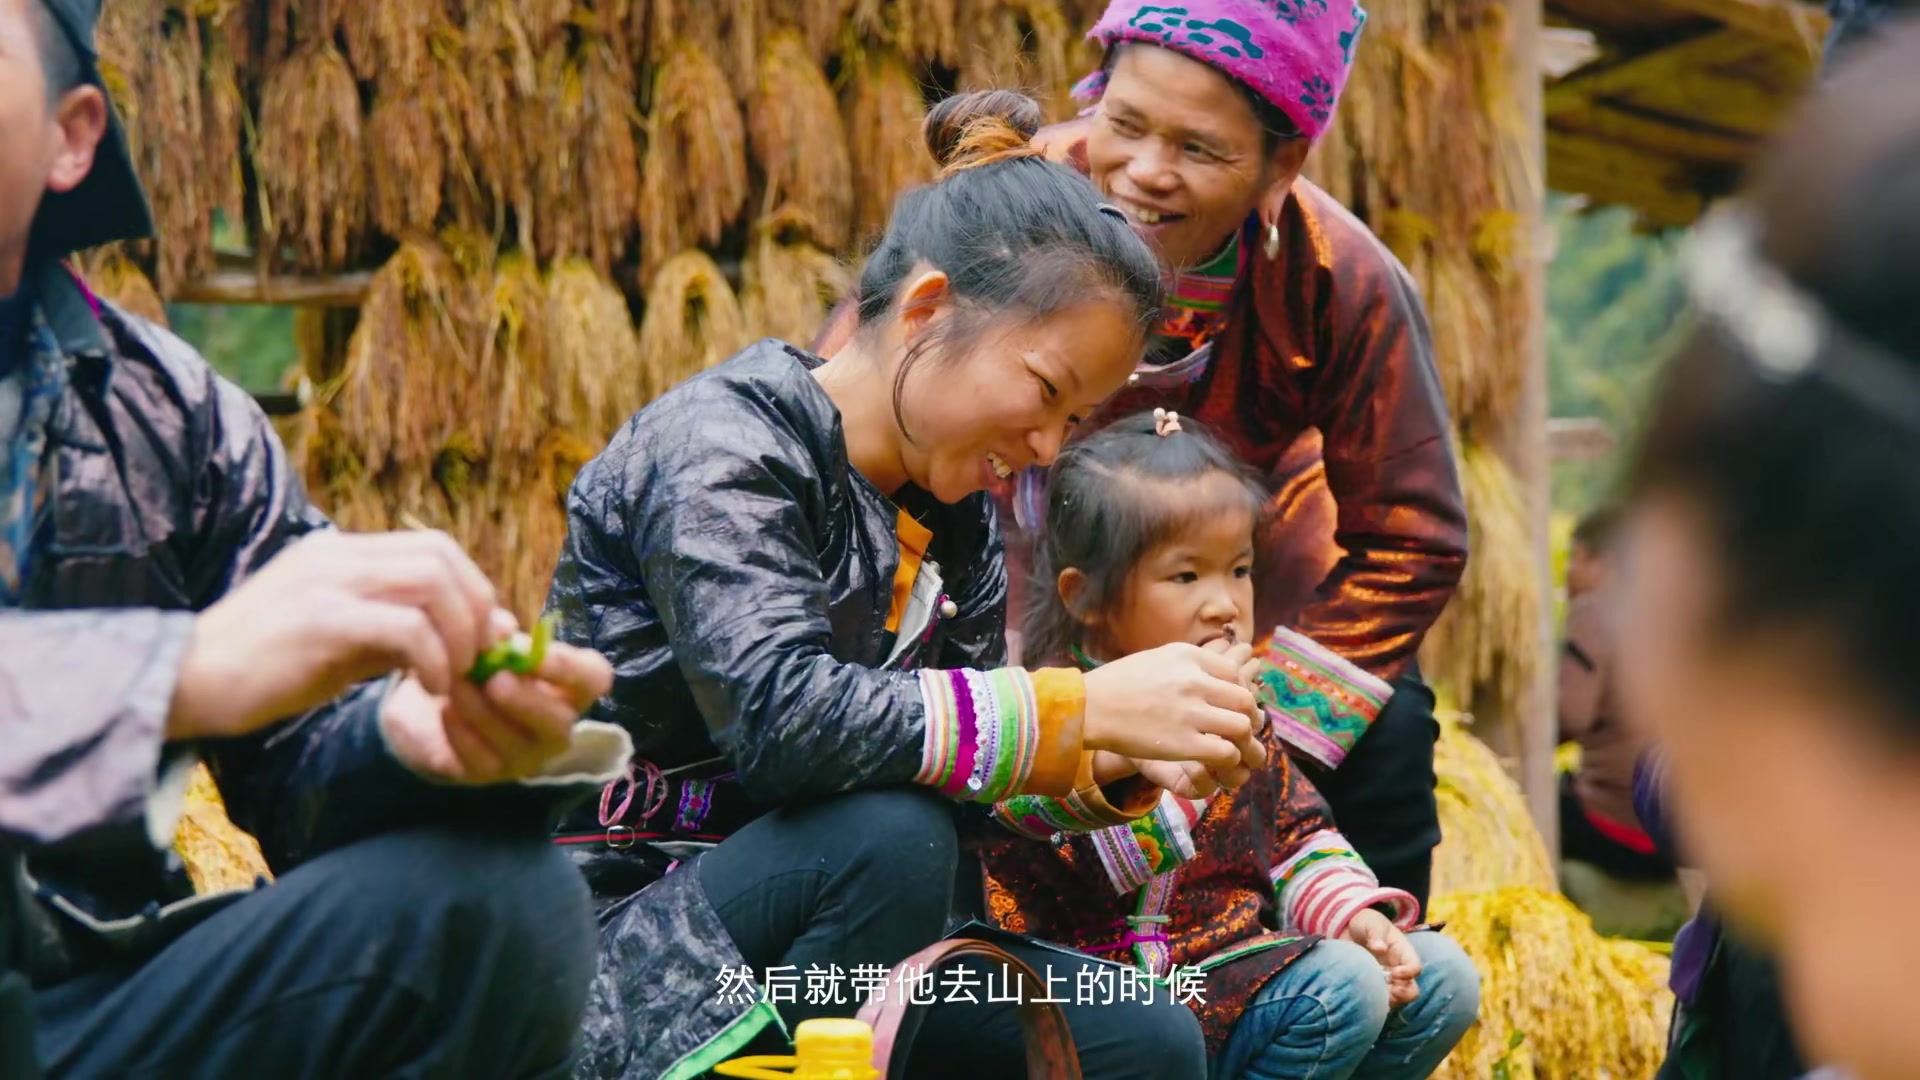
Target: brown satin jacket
x=1322, y=378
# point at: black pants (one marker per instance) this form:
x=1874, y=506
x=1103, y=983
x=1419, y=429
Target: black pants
x=1581, y=839
x=16, y=999
x=1382, y=794
x=419, y=954
x=868, y=879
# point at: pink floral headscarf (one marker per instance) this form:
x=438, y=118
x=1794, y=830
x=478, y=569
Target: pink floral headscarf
x=1294, y=53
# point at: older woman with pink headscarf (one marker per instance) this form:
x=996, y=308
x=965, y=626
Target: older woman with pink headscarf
x=1297, y=337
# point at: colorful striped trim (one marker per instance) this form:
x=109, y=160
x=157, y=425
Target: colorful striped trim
x=983, y=732
x=1324, y=883
x=1320, y=702
x=1157, y=843
x=696, y=800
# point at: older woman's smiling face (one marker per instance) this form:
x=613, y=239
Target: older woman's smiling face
x=1177, y=146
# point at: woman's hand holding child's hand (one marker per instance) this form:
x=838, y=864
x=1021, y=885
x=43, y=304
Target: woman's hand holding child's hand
x=1376, y=933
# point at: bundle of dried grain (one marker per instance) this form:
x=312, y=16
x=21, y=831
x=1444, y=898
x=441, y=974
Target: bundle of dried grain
x=1488, y=838
x=884, y=111
x=416, y=337
x=1018, y=43
x=695, y=180
x=927, y=31
x=219, y=856
x=339, y=481
x=1484, y=642
x=558, y=461
x=586, y=173
x=596, y=379
x=692, y=322
x=818, y=22
x=388, y=41
x=310, y=159
x=223, y=108
x=798, y=141
x=406, y=159
x=729, y=33
x=513, y=375
x=168, y=151
x=110, y=273
x=124, y=37
x=788, y=285
x=503, y=96
x=1556, y=999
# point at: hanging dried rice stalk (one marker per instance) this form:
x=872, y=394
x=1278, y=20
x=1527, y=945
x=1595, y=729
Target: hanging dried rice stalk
x=818, y=23
x=1017, y=43
x=593, y=353
x=169, y=147
x=502, y=96
x=587, y=182
x=884, y=112
x=798, y=141
x=338, y=479
x=727, y=32
x=387, y=39
x=513, y=360
x=221, y=120
x=1484, y=643
x=926, y=31
x=1488, y=838
x=415, y=340
x=695, y=180
x=310, y=158
x=559, y=459
x=406, y=161
x=109, y=273
x=1556, y=999
x=692, y=322
x=788, y=284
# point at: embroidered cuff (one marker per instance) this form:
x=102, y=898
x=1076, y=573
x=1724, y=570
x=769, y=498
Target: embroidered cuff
x=993, y=733
x=1320, y=703
x=1088, y=808
x=1150, y=845
x=1324, y=883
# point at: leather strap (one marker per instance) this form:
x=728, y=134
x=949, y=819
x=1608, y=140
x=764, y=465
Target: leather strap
x=1050, y=1051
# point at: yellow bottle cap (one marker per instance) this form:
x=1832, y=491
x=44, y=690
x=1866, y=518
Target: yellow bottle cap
x=834, y=1047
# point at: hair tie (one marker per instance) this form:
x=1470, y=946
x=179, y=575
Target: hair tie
x=1165, y=422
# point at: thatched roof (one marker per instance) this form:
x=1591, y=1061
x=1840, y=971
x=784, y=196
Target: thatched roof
x=1671, y=96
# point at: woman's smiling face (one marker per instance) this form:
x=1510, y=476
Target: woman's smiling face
x=1177, y=146
x=1009, y=395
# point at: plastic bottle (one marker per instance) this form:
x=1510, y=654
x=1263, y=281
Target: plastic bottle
x=824, y=1049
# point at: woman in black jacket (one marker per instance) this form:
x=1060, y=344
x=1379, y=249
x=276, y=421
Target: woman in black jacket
x=794, y=566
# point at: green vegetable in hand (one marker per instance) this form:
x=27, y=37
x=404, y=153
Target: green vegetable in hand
x=520, y=654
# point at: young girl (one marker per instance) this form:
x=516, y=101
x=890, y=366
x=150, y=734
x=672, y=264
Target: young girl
x=1309, y=968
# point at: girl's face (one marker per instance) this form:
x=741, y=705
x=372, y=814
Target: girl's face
x=1806, y=822
x=1194, y=588
x=1011, y=399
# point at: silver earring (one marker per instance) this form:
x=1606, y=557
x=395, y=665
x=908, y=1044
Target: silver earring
x=1272, y=245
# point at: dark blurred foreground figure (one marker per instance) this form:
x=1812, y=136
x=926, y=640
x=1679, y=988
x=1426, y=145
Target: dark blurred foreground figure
x=167, y=594
x=1773, y=561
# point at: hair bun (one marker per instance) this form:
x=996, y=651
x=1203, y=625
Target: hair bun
x=966, y=131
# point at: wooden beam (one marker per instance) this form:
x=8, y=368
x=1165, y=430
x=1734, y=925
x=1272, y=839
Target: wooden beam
x=1617, y=175
x=1669, y=137
x=1788, y=22
x=245, y=287
x=1670, y=61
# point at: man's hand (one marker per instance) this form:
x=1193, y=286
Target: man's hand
x=1376, y=933
x=330, y=611
x=507, y=729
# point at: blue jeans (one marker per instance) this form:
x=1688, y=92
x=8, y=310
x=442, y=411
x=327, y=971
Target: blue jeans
x=1326, y=1017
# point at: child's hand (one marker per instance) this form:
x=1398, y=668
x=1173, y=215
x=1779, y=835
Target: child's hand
x=1376, y=933
x=1178, y=702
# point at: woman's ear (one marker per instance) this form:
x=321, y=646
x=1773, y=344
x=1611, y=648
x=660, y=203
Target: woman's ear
x=924, y=300
x=1283, y=168
x=1072, y=586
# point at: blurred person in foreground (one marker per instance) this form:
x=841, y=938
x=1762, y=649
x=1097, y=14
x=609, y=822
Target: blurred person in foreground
x=168, y=595
x=1597, y=822
x=1771, y=556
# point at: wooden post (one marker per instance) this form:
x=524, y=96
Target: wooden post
x=1524, y=442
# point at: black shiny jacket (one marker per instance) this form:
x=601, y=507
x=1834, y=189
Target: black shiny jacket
x=738, y=572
